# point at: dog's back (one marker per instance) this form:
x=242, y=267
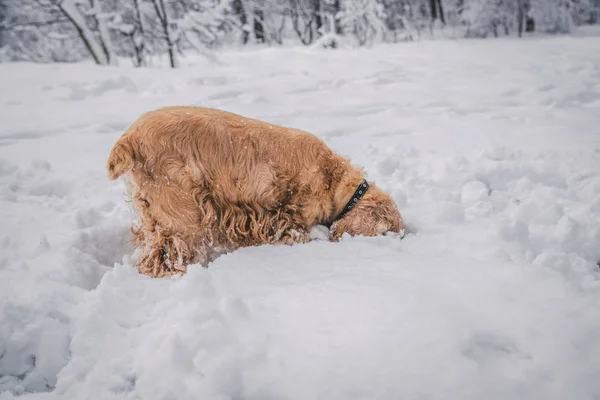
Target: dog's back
x=212, y=137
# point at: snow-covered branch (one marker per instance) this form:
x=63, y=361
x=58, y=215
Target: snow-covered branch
x=92, y=43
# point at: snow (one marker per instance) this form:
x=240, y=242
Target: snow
x=490, y=148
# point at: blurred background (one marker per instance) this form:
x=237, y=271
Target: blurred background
x=160, y=32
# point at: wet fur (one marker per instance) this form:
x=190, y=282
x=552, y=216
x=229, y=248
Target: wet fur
x=205, y=181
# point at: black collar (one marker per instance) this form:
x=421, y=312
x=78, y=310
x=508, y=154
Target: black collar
x=358, y=194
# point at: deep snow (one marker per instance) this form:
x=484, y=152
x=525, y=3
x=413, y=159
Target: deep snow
x=490, y=148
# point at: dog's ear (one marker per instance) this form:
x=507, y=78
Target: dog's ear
x=121, y=158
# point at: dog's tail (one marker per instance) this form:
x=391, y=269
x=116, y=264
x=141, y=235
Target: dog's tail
x=122, y=158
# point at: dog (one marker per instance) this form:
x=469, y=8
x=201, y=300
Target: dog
x=204, y=182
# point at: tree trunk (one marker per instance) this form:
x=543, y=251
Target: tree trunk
x=139, y=46
x=240, y=11
x=336, y=22
x=279, y=36
x=69, y=8
x=433, y=9
x=161, y=12
x=105, y=39
x=172, y=59
x=259, y=29
x=529, y=24
x=170, y=44
x=3, y=15
x=437, y=11
x=306, y=36
x=520, y=16
x=318, y=17
x=441, y=12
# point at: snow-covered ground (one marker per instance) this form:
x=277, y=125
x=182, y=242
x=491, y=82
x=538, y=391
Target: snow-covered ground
x=490, y=148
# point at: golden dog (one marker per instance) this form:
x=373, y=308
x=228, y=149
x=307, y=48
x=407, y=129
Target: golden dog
x=205, y=181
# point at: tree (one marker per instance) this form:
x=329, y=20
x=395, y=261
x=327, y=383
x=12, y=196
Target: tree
x=437, y=11
x=203, y=27
x=554, y=16
x=317, y=6
x=3, y=15
x=365, y=19
x=275, y=18
x=303, y=14
x=521, y=16
x=138, y=35
x=486, y=16
x=259, y=19
x=100, y=48
x=240, y=11
x=332, y=8
x=37, y=30
x=163, y=18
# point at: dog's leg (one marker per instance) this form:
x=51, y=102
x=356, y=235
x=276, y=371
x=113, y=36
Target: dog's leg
x=166, y=255
x=161, y=257
x=286, y=231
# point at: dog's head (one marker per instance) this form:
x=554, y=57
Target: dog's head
x=374, y=214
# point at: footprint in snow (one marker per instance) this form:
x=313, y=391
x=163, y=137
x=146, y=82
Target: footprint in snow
x=491, y=347
x=36, y=180
x=512, y=92
x=25, y=135
x=95, y=251
x=546, y=88
x=209, y=81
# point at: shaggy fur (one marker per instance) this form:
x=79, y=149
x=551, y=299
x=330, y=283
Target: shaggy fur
x=205, y=181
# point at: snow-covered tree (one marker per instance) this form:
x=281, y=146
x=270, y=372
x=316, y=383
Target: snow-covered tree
x=484, y=17
x=303, y=14
x=142, y=30
x=437, y=11
x=129, y=32
x=204, y=25
x=275, y=20
x=554, y=16
x=169, y=34
x=364, y=19
x=261, y=21
x=198, y=24
x=36, y=30
x=98, y=42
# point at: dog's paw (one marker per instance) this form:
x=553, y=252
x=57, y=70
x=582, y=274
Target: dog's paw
x=294, y=236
